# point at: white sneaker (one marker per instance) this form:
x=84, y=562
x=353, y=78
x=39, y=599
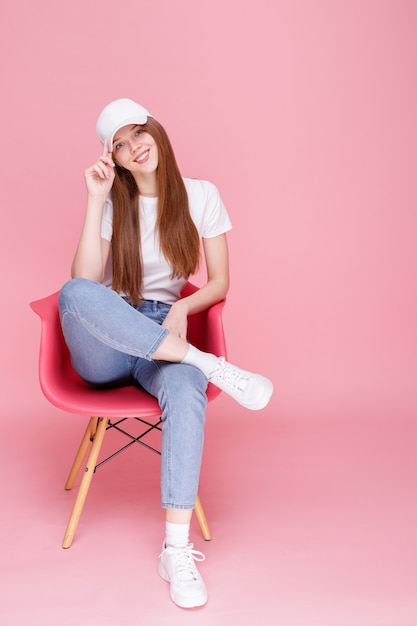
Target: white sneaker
x=252, y=391
x=177, y=566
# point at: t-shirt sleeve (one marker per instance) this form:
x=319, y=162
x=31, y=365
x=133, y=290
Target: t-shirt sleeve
x=107, y=220
x=216, y=220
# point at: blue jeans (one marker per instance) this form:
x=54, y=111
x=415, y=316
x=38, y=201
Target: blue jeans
x=111, y=343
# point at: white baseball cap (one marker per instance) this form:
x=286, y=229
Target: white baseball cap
x=117, y=114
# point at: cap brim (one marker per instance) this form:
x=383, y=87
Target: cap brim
x=136, y=119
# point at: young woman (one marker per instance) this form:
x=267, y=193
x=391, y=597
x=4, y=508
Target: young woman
x=122, y=315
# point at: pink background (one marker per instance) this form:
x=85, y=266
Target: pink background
x=302, y=112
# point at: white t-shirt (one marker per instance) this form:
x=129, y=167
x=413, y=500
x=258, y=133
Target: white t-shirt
x=208, y=214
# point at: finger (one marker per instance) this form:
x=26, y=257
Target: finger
x=107, y=169
x=101, y=169
x=105, y=164
x=107, y=159
x=96, y=170
x=107, y=151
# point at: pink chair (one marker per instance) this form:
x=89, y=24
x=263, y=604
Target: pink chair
x=107, y=409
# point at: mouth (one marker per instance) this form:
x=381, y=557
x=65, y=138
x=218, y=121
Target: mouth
x=142, y=157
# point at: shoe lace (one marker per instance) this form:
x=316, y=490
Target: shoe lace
x=232, y=377
x=184, y=561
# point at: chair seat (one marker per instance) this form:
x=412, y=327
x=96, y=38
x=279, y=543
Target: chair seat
x=75, y=396
x=128, y=401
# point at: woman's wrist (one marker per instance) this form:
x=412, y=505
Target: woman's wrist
x=181, y=306
x=96, y=198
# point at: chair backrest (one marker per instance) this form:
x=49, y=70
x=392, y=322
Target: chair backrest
x=205, y=329
x=62, y=386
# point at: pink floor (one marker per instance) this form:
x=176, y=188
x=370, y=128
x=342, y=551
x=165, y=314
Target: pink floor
x=313, y=521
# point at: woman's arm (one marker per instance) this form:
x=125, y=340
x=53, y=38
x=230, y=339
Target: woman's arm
x=92, y=251
x=217, y=262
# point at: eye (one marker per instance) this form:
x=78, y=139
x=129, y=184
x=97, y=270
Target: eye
x=118, y=146
x=138, y=131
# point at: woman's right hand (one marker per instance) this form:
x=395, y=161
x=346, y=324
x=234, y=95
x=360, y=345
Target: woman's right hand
x=99, y=177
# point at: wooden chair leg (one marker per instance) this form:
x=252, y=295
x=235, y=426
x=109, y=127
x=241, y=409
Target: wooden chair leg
x=201, y=518
x=85, y=482
x=82, y=450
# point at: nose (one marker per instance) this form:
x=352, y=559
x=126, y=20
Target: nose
x=135, y=143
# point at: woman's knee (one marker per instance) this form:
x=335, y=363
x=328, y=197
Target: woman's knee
x=72, y=290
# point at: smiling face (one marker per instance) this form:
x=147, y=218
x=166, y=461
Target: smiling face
x=135, y=150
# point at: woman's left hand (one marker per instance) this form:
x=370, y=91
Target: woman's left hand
x=176, y=320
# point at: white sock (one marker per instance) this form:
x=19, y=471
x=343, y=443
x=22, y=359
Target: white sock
x=205, y=361
x=177, y=535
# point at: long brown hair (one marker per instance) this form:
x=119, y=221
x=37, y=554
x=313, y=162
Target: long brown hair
x=178, y=235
